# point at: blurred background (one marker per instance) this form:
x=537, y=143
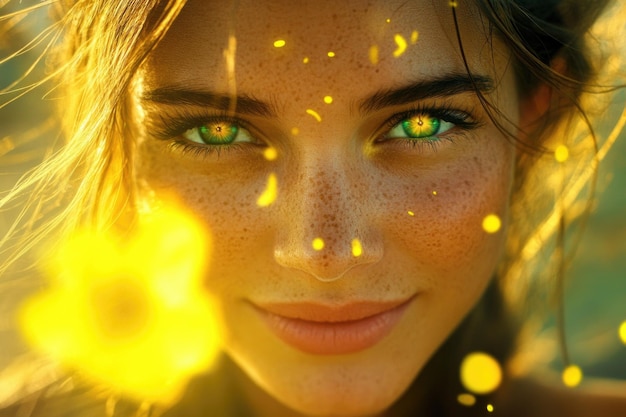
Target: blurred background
x=596, y=287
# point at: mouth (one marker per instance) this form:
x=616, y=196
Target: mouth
x=332, y=330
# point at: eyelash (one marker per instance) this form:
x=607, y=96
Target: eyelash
x=171, y=128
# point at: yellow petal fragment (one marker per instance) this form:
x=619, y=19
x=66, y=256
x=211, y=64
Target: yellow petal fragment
x=270, y=193
x=401, y=42
x=315, y=114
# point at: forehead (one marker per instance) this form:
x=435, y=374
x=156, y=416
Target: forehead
x=375, y=44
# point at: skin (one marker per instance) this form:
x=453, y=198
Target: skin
x=338, y=179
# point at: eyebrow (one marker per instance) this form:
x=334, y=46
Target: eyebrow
x=444, y=86
x=244, y=104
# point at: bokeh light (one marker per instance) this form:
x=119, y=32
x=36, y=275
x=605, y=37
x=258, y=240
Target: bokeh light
x=561, y=153
x=295, y=131
x=269, y=194
x=480, y=373
x=279, y=43
x=357, y=249
x=305, y=60
x=490, y=408
x=270, y=153
x=130, y=313
x=491, y=223
x=414, y=37
x=435, y=193
x=572, y=376
x=622, y=332
x=410, y=213
x=328, y=99
x=331, y=54
x=318, y=244
x=466, y=399
x=373, y=54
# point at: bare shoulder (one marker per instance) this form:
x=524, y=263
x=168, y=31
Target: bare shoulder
x=546, y=398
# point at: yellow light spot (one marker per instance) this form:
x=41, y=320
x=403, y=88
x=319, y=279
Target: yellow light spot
x=131, y=316
x=414, y=36
x=401, y=42
x=465, y=399
x=295, y=131
x=373, y=54
x=328, y=99
x=331, y=54
x=410, y=213
x=434, y=192
x=279, y=43
x=490, y=408
x=315, y=114
x=453, y=3
x=388, y=20
x=271, y=190
x=357, y=249
x=572, y=375
x=305, y=60
x=270, y=153
x=491, y=223
x=622, y=332
x=480, y=373
x=318, y=244
x=561, y=153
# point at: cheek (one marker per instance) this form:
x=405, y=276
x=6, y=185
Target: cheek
x=440, y=216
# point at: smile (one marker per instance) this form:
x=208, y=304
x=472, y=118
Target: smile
x=329, y=330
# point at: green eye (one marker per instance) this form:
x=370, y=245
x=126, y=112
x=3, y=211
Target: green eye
x=218, y=133
x=420, y=126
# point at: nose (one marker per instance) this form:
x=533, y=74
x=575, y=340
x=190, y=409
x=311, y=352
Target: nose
x=325, y=227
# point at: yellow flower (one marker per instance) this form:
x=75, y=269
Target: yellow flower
x=132, y=315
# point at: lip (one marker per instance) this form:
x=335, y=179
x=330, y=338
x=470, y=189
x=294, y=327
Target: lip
x=322, y=329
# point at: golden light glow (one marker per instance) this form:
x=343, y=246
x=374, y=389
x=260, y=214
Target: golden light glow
x=357, y=249
x=318, y=244
x=622, y=332
x=465, y=399
x=305, y=60
x=130, y=312
x=279, y=43
x=328, y=99
x=434, y=192
x=388, y=20
x=490, y=408
x=561, y=153
x=270, y=153
x=414, y=37
x=491, y=223
x=269, y=194
x=410, y=213
x=331, y=54
x=401, y=42
x=295, y=131
x=453, y=3
x=315, y=114
x=572, y=376
x=373, y=54
x=480, y=373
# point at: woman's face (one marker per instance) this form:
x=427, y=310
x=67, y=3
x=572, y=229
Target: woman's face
x=394, y=177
